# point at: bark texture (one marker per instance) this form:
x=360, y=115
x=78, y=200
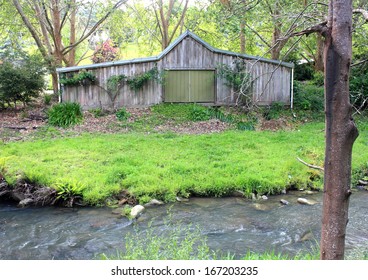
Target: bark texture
x=341, y=131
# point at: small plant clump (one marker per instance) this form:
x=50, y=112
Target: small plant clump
x=98, y=112
x=122, y=114
x=47, y=99
x=65, y=114
x=199, y=113
x=69, y=193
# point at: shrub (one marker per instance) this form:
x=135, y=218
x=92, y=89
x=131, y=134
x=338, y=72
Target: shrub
x=69, y=193
x=21, y=81
x=303, y=71
x=105, y=52
x=122, y=114
x=274, y=111
x=98, y=112
x=308, y=96
x=65, y=114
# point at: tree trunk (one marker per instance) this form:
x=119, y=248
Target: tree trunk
x=341, y=131
x=55, y=82
x=318, y=59
x=72, y=38
x=242, y=37
x=276, y=43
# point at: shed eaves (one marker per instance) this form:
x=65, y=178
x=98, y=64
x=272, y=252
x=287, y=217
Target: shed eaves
x=167, y=50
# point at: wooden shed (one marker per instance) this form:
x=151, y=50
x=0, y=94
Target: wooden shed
x=190, y=69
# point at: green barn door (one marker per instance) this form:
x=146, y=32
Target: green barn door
x=190, y=86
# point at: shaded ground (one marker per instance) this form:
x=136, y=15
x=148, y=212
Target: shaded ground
x=31, y=122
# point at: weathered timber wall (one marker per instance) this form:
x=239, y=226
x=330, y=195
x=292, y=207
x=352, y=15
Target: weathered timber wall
x=271, y=81
x=96, y=96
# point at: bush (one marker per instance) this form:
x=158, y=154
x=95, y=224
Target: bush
x=303, y=71
x=65, y=114
x=21, y=81
x=308, y=97
x=274, y=111
x=105, y=52
x=122, y=114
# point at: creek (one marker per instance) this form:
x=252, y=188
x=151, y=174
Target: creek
x=234, y=225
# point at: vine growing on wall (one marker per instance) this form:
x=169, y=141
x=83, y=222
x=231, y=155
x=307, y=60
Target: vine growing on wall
x=239, y=79
x=113, y=86
x=81, y=78
x=115, y=82
x=138, y=81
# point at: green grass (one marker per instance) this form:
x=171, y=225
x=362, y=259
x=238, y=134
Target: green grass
x=163, y=166
x=186, y=242
x=177, y=114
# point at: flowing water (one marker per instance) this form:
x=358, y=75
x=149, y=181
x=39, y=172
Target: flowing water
x=232, y=225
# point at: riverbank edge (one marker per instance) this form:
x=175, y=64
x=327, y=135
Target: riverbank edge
x=26, y=194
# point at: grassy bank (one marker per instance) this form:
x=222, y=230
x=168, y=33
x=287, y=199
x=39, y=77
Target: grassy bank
x=166, y=165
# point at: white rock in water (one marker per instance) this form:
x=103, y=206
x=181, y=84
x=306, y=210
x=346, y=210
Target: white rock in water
x=25, y=202
x=136, y=210
x=153, y=202
x=181, y=199
x=305, y=201
x=284, y=202
x=264, y=197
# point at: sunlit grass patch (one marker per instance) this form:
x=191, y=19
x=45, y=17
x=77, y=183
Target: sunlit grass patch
x=164, y=166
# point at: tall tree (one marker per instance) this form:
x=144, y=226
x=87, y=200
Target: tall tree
x=163, y=14
x=53, y=26
x=160, y=20
x=236, y=11
x=341, y=131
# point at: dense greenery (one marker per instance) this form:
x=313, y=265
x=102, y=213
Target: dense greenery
x=308, y=96
x=21, y=80
x=139, y=80
x=122, y=114
x=80, y=78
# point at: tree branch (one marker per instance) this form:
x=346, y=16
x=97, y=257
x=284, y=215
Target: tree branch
x=31, y=29
x=311, y=165
x=363, y=12
x=180, y=21
x=93, y=29
x=258, y=35
x=319, y=28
